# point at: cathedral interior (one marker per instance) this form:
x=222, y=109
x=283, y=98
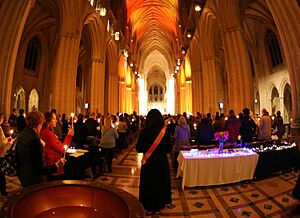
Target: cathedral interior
x=109, y=56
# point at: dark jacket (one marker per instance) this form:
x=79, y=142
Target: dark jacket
x=29, y=157
x=155, y=180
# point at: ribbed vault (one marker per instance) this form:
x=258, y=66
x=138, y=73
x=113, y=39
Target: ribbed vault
x=154, y=28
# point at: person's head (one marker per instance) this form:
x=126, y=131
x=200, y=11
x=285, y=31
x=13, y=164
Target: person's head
x=21, y=111
x=80, y=118
x=182, y=120
x=107, y=121
x=92, y=115
x=231, y=112
x=246, y=111
x=278, y=113
x=50, y=119
x=63, y=116
x=53, y=110
x=34, y=120
x=1, y=118
x=14, y=110
x=264, y=111
x=154, y=119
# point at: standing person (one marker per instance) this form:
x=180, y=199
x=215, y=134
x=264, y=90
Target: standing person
x=248, y=127
x=29, y=152
x=155, y=180
x=182, y=138
x=58, y=128
x=264, y=126
x=205, y=133
x=91, y=126
x=122, y=131
x=65, y=125
x=232, y=125
x=278, y=126
x=80, y=132
x=54, y=148
x=5, y=143
x=12, y=120
x=21, y=122
x=108, y=141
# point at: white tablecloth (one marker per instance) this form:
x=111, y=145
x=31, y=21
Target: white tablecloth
x=203, y=170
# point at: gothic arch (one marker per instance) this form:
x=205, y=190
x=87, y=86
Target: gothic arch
x=33, y=100
x=93, y=23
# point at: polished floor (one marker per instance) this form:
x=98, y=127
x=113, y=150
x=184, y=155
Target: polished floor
x=266, y=198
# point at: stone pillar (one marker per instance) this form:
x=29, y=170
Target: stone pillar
x=13, y=15
x=97, y=86
x=286, y=15
x=64, y=73
x=210, y=97
x=122, y=96
x=128, y=100
x=182, y=99
x=188, y=95
x=196, y=91
x=113, y=93
x=240, y=91
x=239, y=79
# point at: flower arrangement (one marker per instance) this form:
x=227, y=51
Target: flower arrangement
x=221, y=136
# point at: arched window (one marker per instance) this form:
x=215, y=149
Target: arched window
x=273, y=49
x=32, y=54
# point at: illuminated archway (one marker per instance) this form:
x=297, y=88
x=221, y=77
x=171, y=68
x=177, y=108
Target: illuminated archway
x=33, y=102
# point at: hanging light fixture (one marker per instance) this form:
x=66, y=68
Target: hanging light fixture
x=100, y=8
x=188, y=34
x=116, y=35
x=197, y=6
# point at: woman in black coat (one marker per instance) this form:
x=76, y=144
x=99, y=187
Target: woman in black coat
x=155, y=180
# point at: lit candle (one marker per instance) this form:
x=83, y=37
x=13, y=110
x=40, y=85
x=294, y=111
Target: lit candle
x=66, y=148
x=72, y=115
x=11, y=132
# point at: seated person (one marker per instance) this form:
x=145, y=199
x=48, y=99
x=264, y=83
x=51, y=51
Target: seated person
x=29, y=152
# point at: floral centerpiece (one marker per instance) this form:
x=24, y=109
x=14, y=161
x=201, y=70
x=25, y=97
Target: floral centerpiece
x=221, y=137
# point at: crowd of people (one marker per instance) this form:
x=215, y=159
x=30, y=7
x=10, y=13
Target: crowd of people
x=42, y=137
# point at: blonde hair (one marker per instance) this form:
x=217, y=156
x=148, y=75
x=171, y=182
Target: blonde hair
x=107, y=121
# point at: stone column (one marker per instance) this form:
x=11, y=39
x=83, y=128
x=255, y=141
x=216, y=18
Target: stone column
x=197, y=91
x=240, y=93
x=13, y=15
x=113, y=93
x=239, y=79
x=188, y=93
x=286, y=15
x=122, y=96
x=128, y=100
x=64, y=73
x=210, y=97
x=97, y=86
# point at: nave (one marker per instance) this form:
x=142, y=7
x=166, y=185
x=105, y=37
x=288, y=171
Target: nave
x=270, y=197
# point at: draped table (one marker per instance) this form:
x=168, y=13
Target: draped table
x=208, y=167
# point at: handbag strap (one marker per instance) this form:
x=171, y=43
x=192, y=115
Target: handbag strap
x=154, y=145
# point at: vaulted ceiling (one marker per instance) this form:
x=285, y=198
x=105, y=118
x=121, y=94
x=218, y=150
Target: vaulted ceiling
x=154, y=26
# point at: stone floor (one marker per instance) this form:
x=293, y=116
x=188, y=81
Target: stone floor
x=270, y=197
